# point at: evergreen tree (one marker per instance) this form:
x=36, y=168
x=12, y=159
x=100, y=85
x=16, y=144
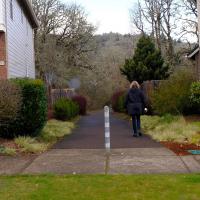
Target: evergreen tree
x=146, y=64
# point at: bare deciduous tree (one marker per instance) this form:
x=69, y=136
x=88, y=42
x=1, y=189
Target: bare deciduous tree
x=63, y=39
x=165, y=19
x=188, y=17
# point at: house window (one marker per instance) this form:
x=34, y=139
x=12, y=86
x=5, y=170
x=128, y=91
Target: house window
x=11, y=9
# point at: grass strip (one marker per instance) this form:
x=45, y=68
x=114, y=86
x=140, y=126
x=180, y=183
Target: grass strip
x=101, y=187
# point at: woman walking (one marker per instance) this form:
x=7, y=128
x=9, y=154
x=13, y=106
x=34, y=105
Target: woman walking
x=136, y=105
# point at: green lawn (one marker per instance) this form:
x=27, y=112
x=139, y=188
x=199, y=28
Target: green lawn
x=133, y=187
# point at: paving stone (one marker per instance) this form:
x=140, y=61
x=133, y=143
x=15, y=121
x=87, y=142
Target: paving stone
x=69, y=162
x=192, y=164
x=128, y=164
x=14, y=165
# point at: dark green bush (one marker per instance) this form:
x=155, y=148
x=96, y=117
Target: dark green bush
x=33, y=113
x=65, y=109
x=118, y=101
x=195, y=97
x=195, y=93
x=173, y=95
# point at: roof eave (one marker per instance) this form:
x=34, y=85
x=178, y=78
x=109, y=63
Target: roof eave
x=29, y=9
x=193, y=53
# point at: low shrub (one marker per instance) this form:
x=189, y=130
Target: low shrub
x=82, y=102
x=55, y=129
x=33, y=112
x=65, y=109
x=118, y=101
x=173, y=95
x=7, y=151
x=10, y=102
x=171, y=128
x=195, y=95
x=30, y=145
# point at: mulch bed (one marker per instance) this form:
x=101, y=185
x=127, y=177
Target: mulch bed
x=8, y=143
x=180, y=149
x=11, y=144
x=192, y=118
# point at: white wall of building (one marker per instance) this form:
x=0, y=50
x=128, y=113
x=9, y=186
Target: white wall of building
x=2, y=15
x=20, y=45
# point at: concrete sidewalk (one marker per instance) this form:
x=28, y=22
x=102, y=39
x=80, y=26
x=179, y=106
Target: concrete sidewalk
x=97, y=161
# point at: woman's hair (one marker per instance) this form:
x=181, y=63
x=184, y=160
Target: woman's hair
x=134, y=85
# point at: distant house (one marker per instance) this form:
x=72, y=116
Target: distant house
x=195, y=53
x=17, y=22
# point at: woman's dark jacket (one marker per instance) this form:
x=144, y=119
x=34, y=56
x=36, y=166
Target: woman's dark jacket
x=135, y=102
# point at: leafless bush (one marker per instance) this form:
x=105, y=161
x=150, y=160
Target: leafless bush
x=10, y=101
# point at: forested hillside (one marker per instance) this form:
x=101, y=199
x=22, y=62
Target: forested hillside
x=67, y=48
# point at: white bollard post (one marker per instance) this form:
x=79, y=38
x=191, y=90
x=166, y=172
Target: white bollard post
x=107, y=127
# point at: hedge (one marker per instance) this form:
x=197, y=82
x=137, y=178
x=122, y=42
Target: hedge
x=195, y=93
x=33, y=113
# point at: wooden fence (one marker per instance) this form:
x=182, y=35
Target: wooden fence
x=55, y=94
x=149, y=86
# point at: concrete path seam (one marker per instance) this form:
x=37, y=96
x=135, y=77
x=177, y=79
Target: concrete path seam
x=196, y=159
x=27, y=165
x=188, y=169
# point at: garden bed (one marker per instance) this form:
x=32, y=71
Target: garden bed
x=180, y=149
x=52, y=132
x=176, y=133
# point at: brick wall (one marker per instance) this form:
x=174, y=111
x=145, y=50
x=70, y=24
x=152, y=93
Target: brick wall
x=3, y=67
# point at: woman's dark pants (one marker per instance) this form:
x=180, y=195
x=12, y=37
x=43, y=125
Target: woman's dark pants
x=136, y=124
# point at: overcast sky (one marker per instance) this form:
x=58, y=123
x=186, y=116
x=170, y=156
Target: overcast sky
x=108, y=15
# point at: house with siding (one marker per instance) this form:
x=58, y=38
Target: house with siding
x=195, y=53
x=17, y=22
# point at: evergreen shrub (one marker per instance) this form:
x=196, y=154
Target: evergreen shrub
x=195, y=93
x=65, y=109
x=195, y=96
x=146, y=64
